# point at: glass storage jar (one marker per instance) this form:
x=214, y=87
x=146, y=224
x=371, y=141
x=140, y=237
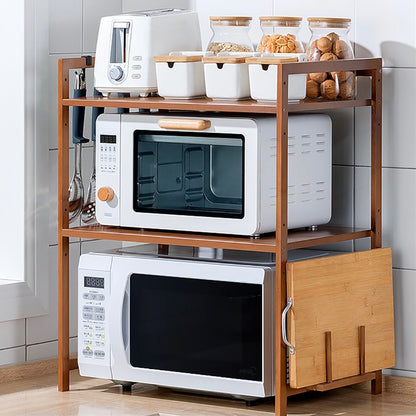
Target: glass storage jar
x=280, y=35
x=329, y=41
x=230, y=34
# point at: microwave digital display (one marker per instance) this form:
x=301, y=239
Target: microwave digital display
x=94, y=282
x=189, y=173
x=108, y=139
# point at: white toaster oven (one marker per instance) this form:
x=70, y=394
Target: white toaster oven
x=210, y=174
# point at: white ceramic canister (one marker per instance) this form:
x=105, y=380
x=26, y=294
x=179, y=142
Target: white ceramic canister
x=180, y=75
x=263, y=77
x=226, y=77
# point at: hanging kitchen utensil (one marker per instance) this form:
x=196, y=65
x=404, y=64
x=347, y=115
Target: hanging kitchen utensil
x=88, y=210
x=76, y=188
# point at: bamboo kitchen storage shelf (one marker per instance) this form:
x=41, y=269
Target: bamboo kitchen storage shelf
x=279, y=243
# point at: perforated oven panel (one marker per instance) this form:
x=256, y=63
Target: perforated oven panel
x=309, y=170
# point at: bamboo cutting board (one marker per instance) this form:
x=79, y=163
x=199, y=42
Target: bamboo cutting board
x=339, y=294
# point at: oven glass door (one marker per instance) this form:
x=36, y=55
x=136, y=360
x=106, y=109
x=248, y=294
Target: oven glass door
x=189, y=173
x=204, y=327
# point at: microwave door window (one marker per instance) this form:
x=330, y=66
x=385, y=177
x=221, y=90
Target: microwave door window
x=196, y=326
x=189, y=174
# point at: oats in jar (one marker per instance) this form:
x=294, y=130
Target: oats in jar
x=217, y=47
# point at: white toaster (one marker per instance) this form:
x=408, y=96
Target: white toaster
x=127, y=43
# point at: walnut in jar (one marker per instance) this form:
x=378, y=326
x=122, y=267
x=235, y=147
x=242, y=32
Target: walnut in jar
x=324, y=44
x=342, y=50
x=329, y=89
x=312, y=89
x=347, y=88
x=318, y=76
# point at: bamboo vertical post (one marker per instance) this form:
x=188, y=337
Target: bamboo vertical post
x=281, y=235
x=376, y=177
x=65, y=364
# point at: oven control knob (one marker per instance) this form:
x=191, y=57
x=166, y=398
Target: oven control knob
x=105, y=194
x=116, y=73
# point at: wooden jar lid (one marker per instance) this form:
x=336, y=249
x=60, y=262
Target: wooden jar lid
x=178, y=58
x=231, y=20
x=329, y=21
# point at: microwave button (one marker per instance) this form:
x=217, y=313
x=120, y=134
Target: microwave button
x=100, y=297
x=85, y=296
x=99, y=353
x=87, y=309
x=87, y=352
x=99, y=317
x=137, y=58
x=136, y=76
x=99, y=309
x=87, y=315
x=136, y=67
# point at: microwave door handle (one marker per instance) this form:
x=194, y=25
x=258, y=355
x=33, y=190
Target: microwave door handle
x=125, y=320
x=284, y=331
x=184, y=124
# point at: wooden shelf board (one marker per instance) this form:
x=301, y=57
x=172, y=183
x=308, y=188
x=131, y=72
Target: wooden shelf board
x=206, y=104
x=321, y=104
x=324, y=235
x=296, y=239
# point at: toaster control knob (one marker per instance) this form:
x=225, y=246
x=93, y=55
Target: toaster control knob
x=105, y=194
x=116, y=73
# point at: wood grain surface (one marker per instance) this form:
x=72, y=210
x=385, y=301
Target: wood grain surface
x=339, y=294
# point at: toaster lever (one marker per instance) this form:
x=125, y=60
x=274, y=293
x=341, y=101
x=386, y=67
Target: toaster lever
x=184, y=124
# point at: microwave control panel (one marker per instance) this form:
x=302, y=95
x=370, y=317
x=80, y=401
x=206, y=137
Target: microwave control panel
x=107, y=162
x=93, y=336
x=107, y=153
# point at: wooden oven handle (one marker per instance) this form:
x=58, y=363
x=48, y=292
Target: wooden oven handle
x=183, y=124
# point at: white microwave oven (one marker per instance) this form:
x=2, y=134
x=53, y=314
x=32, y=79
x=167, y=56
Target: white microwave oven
x=210, y=174
x=196, y=319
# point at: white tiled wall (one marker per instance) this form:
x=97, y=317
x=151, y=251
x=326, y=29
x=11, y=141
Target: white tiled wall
x=73, y=28
x=391, y=32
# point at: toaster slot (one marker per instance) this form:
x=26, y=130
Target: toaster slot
x=119, y=42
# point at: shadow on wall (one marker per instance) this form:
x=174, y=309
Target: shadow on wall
x=393, y=54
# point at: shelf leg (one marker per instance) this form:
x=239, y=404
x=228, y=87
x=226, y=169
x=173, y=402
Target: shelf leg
x=377, y=383
x=376, y=173
x=281, y=387
x=63, y=314
x=376, y=159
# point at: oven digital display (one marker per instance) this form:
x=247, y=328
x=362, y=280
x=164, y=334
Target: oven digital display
x=108, y=138
x=94, y=282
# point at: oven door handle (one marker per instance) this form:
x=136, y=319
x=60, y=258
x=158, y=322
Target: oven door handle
x=284, y=331
x=183, y=124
